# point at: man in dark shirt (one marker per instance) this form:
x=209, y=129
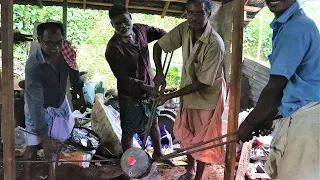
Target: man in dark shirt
x=46, y=108
x=128, y=56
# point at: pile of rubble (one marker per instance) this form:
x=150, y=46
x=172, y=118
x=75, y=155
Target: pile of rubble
x=253, y=162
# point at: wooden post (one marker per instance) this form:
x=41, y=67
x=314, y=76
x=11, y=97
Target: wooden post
x=235, y=85
x=84, y=4
x=65, y=16
x=8, y=122
x=127, y=4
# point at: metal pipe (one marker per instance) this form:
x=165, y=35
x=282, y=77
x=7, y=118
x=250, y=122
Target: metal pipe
x=209, y=141
x=69, y=161
x=173, y=155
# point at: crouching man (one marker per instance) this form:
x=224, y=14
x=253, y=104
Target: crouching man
x=47, y=112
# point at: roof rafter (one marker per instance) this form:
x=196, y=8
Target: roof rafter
x=165, y=9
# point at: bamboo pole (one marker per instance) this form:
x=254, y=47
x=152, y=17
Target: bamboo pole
x=8, y=121
x=235, y=85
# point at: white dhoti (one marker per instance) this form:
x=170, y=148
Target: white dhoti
x=295, y=148
x=60, y=124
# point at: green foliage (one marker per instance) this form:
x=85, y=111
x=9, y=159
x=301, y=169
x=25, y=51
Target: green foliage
x=252, y=35
x=252, y=31
x=90, y=31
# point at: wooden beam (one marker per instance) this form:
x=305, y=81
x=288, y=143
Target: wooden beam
x=8, y=122
x=248, y=19
x=165, y=9
x=65, y=17
x=251, y=9
x=84, y=4
x=235, y=86
x=180, y=1
x=110, y=4
x=40, y=3
x=127, y=3
x=155, y=9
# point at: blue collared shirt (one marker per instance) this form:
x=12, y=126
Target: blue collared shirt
x=296, y=56
x=45, y=87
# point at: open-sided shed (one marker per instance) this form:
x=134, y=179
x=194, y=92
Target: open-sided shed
x=228, y=19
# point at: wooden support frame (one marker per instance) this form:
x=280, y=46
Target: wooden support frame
x=8, y=122
x=235, y=85
x=165, y=9
x=110, y=4
x=84, y=4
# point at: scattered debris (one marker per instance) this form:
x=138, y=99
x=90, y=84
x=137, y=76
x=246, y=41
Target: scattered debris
x=257, y=157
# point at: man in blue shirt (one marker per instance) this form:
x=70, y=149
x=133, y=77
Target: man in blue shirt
x=293, y=92
x=47, y=112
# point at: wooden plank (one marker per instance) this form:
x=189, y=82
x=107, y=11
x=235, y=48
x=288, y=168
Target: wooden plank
x=8, y=122
x=127, y=3
x=40, y=3
x=84, y=4
x=235, y=86
x=65, y=17
x=248, y=19
x=165, y=9
x=155, y=9
x=251, y=9
x=244, y=161
x=180, y=1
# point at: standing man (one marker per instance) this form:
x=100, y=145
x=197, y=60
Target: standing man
x=202, y=84
x=293, y=90
x=47, y=110
x=128, y=56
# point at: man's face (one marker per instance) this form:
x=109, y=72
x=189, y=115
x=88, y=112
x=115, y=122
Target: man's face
x=122, y=24
x=51, y=41
x=279, y=6
x=197, y=16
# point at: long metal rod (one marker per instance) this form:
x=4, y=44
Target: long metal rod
x=68, y=161
x=209, y=141
x=174, y=155
x=154, y=106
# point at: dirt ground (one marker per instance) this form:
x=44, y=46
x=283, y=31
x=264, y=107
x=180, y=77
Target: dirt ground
x=113, y=172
